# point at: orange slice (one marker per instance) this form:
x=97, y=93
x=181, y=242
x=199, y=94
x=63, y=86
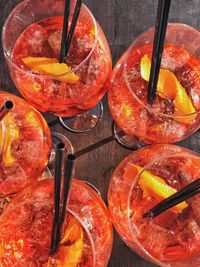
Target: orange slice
x=1, y=137
x=31, y=118
x=32, y=62
x=154, y=186
x=169, y=87
x=11, y=134
x=51, y=66
x=72, y=245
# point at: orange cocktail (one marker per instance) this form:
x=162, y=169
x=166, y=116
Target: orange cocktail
x=26, y=223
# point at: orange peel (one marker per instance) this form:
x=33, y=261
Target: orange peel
x=11, y=133
x=153, y=186
x=51, y=66
x=169, y=87
x=72, y=245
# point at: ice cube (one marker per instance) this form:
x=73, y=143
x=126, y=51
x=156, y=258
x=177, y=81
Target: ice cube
x=194, y=202
x=88, y=217
x=36, y=38
x=54, y=41
x=156, y=238
x=172, y=60
x=183, y=177
x=189, y=237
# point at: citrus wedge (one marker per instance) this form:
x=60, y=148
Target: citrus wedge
x=32, y=120
x=51, y=66
x=169, y=87
x=72, y=245
x=11, y=134
x=32, y=62
x=153, y=186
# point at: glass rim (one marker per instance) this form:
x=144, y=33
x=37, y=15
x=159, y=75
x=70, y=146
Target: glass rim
x=147, y=106
x=3, y=129
x=186, y=153
x=43, y=75
x=66, y=141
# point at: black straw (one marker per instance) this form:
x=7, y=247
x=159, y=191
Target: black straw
x=73, y=25
x=187, y=192
x=7, y=106
x=67, y=37
x=159, y=39
x=60, y=198
x=65, y=31
x=60, y=149
x=69, y=167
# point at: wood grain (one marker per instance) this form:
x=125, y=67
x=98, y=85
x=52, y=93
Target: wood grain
x=121, y=21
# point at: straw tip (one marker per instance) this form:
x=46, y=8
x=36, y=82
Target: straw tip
x=71, y=157
x=8, y=105
x=60, y=146
x=148, y=215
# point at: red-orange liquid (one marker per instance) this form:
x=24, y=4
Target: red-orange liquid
x=171, y=237
x=26, y=146
x=42, y=39
x=26, y=227
x=128, y=96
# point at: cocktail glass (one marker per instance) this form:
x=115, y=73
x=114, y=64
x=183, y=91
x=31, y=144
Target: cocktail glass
x=87, y=238
x=25, y=145
x=33, y=29
x=140, y=182
x=174, y=115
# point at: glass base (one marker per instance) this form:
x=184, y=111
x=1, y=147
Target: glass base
x=85, y=121
x=56, y=139
x=129, y=142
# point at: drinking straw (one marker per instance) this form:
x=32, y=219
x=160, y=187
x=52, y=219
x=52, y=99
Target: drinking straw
x=7, y=106
x=60, y=197
x=159, y=39
x=185, y=193
x=65, y=31
x=67, y=37
x=60, y=148
x=73, y=25
x=69, y=167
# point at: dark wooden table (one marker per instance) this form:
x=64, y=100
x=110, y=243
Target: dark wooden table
x=121, y=21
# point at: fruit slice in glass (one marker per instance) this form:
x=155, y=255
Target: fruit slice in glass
x=70, y=90
x=26, y=228
x=174, y=114
x=25, y=145
x=140, y=182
